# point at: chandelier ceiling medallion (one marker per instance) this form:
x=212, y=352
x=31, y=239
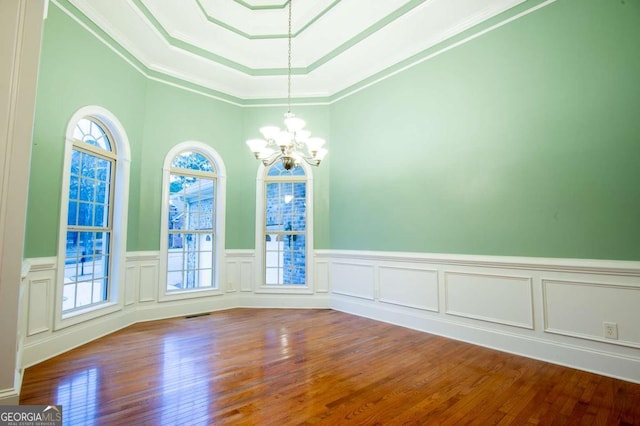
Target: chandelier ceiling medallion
x=292, y=144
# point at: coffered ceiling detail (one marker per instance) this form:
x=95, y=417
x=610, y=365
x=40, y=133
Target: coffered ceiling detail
x=238, y=48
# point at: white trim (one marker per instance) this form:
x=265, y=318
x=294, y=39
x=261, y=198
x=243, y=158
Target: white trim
x=527, y=280
x=349, y=91
x=37, y=264
x=594, y=266
x=119, y=215
x=443, y=50
x=547, y=328
x=382, y=299
x=139, y=256
x=10, y=396
x=260, y=286
x=240, y=253
x=219, y=214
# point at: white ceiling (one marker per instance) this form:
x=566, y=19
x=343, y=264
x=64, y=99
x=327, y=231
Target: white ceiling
x=239, y=47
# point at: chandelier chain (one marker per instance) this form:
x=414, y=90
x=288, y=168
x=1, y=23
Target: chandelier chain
x=289, y=63
x=294, y=144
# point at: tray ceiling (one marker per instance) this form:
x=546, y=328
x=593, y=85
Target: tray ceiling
x=239, y=47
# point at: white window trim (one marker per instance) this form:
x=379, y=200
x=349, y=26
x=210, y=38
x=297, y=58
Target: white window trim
x=115, y=301
x=220, y=209
x=260, y=286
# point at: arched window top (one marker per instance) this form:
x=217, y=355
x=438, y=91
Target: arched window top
x=192, y=160
x=277, y=169
x=91, y=131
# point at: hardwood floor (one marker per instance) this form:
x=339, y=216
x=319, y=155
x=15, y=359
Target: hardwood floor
x=277, y=367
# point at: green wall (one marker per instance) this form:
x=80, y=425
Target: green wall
x=76, y=70
x=524, y=141
x=174, y=116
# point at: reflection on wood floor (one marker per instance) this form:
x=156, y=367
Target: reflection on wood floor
x=275, y=367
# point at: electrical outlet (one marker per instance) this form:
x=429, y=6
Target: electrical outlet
x=610, y=330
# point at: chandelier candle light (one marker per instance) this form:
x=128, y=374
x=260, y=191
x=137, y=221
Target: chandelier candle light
x=293, y=144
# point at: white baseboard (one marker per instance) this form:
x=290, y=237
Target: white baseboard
x=68, y=338
x=599, y=362
x=9, y=397
x=279, y=301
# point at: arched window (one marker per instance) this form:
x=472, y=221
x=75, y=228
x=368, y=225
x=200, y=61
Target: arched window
x=192, y=221
x=283, y=232
x=94, y=197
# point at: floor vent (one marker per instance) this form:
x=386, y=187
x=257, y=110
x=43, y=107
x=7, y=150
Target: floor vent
x=197, y=315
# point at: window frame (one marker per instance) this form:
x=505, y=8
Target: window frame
x=119, y=199
x=219, y=259
x=260, y=277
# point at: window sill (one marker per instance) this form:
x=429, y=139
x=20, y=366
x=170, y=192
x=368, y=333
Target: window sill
x=189, y=294
x=285, y=289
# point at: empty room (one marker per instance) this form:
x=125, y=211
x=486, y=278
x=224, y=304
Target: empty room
x=320, y=211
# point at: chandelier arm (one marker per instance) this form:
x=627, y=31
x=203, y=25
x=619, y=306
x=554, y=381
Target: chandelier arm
x=267, y=161
x=312, y=162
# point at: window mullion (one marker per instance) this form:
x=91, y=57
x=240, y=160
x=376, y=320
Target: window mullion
x=87, y=261
x=192, y=197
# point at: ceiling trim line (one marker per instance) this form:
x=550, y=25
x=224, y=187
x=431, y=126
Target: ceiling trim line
x=233, y=29
x=75, y=14
x=265, y=7
x=195, y=50
x=248, y=36
x=203, y=53
x=504, y=18
x=72, y=12
x=172, y=41
x=407, y=7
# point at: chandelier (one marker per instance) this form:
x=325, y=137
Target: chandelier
x=292, y=144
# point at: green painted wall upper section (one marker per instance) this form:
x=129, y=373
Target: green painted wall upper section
x=174, y=116
x=524, y=141
x=76, y=70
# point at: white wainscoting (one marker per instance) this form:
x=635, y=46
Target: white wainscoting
x=141, y=301
x=409, y=286
x=40, y=292
x=483, y=296
x=353, y=279
x=321, y=271
x=590, y=305
x=240, y=264
x=142, y=277
x=548, y=309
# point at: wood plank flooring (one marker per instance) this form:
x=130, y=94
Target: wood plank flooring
x=280, y=367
